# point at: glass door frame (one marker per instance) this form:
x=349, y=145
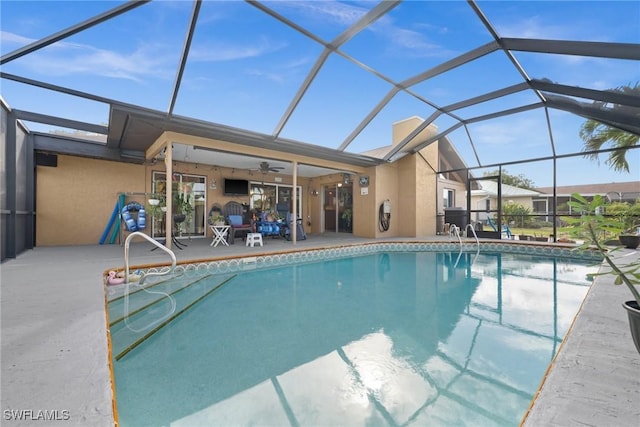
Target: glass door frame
x=338, y=196
x=196, y=220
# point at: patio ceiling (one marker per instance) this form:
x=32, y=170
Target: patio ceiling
x=320, y=79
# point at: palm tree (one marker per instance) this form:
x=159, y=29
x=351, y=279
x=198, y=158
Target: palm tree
x=595, y=135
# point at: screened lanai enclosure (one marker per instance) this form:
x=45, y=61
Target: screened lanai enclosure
x=511, y=89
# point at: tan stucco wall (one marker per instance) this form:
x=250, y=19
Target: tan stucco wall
x=406, y=209
x=427, y=190
x=385, y=186
x=74, y=200
x=365, y=210
x=410, y=185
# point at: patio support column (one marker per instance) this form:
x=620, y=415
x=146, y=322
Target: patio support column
x=294, y=226
x=168, y=164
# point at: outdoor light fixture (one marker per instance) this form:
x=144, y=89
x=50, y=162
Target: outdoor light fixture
x=346, y=178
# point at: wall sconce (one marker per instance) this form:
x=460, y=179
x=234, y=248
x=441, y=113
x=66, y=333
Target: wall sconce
x=346, y=178
x=314, y=193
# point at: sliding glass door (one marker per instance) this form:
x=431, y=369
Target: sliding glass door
x=338, y=208
x=189, y=198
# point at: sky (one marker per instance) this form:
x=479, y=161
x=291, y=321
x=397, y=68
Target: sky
x=245, y=68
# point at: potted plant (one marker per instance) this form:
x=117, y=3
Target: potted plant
x=218, y=220
x=155, y=206
x=595, y=229
x=629, y=240
x=182, y=202
x=629, y=216
x=347, y=214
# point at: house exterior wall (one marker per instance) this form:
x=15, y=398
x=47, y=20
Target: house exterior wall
x=385, y=187
x=74, y=200
x=427, y=191
x=365, y=209
x=407, y=195
x=416, y=183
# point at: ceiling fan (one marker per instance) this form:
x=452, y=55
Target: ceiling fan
x=265, y=168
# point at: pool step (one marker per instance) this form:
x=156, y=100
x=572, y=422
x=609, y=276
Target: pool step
x=143, y=297
x=128, y=333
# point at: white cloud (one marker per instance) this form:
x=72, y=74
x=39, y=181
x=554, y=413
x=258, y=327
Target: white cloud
x=519, y=131
x=64, y=58
x=409, y=41
x=273, y=76
x=219, y=52
x=531, y=27
x=7, y=38
x=283, y=72
x=324, y=11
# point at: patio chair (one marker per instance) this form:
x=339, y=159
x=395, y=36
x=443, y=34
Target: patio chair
x=239, y=218
x=505, y=228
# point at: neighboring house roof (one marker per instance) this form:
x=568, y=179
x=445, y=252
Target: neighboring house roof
x=615, y=191
x=490, y=188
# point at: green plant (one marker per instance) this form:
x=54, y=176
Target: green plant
x=627, y=214
x=515, y=213
x=595, y=228
x=154, y=205
x=218, y=219
x=347, y=215
x=182, y=202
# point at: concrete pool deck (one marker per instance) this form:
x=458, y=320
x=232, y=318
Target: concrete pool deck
x=54, y=354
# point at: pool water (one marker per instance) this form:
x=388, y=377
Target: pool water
x=398, y=338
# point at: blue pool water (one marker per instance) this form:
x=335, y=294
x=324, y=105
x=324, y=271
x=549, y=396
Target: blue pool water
x=398, y=338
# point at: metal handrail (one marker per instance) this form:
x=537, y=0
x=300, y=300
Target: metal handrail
x=454, y=231
x=473, y=231
x=159, y=245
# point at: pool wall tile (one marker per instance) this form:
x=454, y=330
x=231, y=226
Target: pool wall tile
x=273, y=260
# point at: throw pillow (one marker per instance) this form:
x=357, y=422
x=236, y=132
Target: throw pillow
x=235, y=220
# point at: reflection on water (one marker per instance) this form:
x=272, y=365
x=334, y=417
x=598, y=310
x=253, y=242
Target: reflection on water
x=386, y=339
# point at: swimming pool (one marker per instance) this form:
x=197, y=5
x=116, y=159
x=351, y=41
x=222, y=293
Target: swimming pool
x=376, y=338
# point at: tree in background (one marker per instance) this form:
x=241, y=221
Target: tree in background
x=519, y=181
x=516, y=214
x=596, y=135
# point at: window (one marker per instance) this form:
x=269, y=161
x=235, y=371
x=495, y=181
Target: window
x=265, y=197
x=449, y=199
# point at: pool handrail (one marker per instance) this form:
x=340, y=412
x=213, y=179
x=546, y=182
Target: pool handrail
x=157, y=244
x=454, y=231
x=473, y=231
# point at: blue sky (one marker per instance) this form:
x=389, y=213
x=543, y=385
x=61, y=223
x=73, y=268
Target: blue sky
x=245, y=67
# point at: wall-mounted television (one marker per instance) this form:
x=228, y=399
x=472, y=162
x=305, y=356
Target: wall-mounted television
x=236, y=187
